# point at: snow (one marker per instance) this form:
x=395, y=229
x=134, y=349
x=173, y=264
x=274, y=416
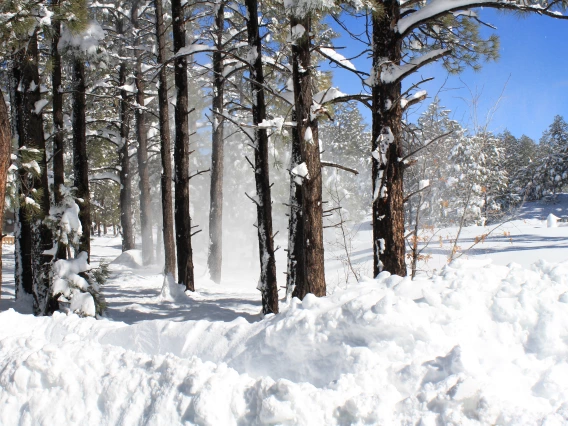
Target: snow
x=300, y=172
x=191, y=49
x=131, y=259
x=552, y=221
x=39, y=105
x=296, y=32
x=86, y=41
x=131, y=88
x=105, y=176
x=417, y=95
x=301, y=7
x=432, y=9
x=327, y=95
x=479, y=341
x=308, y=135
x=391, y=72
x=72, y=288
x=32, y=165
x=337, y=57
x=277, y=123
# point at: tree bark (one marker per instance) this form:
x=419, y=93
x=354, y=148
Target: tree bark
x=128, y=241
x=267, y=283
x=58, y=135
x=34, y=237
x=296, y=271
x=141, y=133
x=215, y=258
x=165, y=147
x=181, y=154
x=5, y=150
x=387, y=170
x=80, y=160
x=310, y=150
x=21, y=107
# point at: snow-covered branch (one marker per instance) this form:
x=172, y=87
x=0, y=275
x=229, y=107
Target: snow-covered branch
x=439, y=8
x=392, y=73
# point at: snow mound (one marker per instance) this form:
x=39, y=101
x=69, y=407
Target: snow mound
x=477, y=344
x=172, y=291
x=130, y=259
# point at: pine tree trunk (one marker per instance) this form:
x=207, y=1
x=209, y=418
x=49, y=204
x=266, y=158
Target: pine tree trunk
x=5, y=150
x=80, y=160
x=58, y=135
x=34, y=237
x=181, y=154
x=267, y=282
x=21, y=107
x=128, y=241
x=296, y=271
x=141, y=133
x=387, y=170
x=310, y=150
x=215, y=258
x=165, y=147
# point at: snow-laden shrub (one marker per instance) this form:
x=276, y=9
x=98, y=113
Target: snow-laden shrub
x=75, y=284
x=22, y=173
x=71, y=288
x=64, y=221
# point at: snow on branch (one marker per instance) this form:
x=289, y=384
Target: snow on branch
x=105, y=176
x=337, y=58
x=328, y=95
x=438, y=8
x=392, y=73
x=414, y=99
x=191, y=49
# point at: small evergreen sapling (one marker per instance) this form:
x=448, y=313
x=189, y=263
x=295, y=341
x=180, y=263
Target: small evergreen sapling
x=75, y=284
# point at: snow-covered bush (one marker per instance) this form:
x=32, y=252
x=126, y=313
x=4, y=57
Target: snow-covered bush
x=75, y=284
x=64, y=220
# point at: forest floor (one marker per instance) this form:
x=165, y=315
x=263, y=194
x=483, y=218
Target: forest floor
x=483, y=340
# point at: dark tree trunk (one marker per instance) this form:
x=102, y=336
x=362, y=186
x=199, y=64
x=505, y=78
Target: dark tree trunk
x=387, y=171
x=128, y=241
x=80, y=160
x=181, y=154
x=267, y=283
x=58, y=136
x=21, y=106
x=215, y=258
x=5, y=150
x=141, y=133
x=296, y=272
x=165, y=147
x=310, y=150
x=33, y=266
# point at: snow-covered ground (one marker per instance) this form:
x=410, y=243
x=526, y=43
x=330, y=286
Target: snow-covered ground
x=481, y=341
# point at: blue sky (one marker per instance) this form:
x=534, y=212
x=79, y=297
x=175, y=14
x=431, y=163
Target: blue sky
x=532, y=75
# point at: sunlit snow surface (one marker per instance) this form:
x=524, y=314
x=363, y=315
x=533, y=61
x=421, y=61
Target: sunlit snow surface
x=478, y=343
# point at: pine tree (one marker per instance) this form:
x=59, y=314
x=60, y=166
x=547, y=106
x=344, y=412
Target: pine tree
x=406, y=37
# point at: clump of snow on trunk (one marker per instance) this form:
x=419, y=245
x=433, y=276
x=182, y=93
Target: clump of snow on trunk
x=172, y=291
x=552, y=221
x=300, y=172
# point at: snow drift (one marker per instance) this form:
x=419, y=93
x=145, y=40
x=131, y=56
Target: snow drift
x=477, y=344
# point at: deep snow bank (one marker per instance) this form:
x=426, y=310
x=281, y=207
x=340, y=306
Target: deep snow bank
x=478, y=344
